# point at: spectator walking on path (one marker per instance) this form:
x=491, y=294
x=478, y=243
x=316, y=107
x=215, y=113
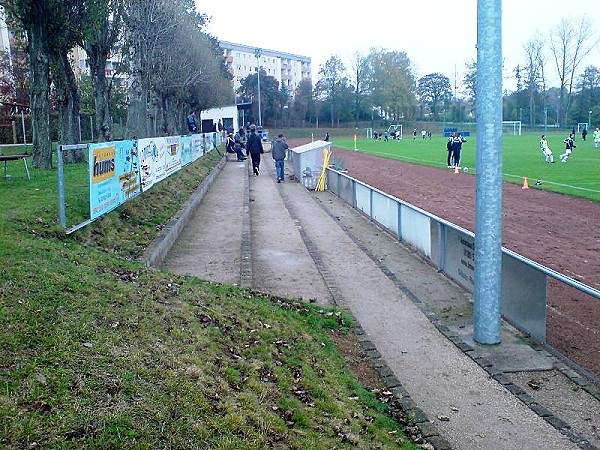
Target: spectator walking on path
x=192, y=123
x=254, y=149
x=279, y=151
x=569, y=146
x=545, y=148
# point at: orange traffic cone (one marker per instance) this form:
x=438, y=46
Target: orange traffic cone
x=525, y=183
x=456, y=169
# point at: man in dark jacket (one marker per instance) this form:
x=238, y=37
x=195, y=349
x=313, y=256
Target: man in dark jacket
x=449, y=148
x=191, y=122
x=254, y=148
x=457, y=143
x=279, y=151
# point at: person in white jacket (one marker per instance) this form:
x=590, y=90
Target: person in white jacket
x=545, y=148
x=596, y=137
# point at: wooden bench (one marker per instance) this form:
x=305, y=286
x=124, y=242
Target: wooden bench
x=7, y=158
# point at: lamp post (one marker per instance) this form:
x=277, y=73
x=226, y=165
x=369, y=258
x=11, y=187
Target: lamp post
x=257, y=53
x=545, y=120
x=589, y=119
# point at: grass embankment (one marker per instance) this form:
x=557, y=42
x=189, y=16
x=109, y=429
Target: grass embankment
x=99, y=351
x=521, y=157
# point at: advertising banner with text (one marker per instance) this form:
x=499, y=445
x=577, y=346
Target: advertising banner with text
x=114, y=175
x=148, y=151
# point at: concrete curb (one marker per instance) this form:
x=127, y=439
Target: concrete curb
x=156, y=252
x=246, y=275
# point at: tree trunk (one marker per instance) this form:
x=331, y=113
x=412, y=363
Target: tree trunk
x=101, y=86
x=137, y=117
x=68, y=99
x=40, y=89
x=165, y=114
x=137, y=114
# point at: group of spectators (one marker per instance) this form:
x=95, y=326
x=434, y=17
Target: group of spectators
x=454, y=147
x=253, y=145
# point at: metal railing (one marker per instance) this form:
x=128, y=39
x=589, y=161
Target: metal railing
x=451, y=249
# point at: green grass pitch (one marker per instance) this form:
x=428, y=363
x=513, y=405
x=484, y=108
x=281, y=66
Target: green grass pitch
x=521, y=157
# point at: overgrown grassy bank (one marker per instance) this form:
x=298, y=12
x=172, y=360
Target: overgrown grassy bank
x=99, y=351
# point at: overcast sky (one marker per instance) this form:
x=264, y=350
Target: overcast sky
x=437, y=35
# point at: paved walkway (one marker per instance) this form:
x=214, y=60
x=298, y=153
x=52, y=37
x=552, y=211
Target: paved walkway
x=282, y=239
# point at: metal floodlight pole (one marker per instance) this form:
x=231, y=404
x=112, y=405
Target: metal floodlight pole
x=589, y=119
x=258, y=52
x=488, y=232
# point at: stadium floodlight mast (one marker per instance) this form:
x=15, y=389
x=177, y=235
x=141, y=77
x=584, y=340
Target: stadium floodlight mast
x=487, y=288
x=257, y=53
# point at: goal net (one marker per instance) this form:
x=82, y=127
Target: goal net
x=581, y=126
x=395, y=131
x=512, y=126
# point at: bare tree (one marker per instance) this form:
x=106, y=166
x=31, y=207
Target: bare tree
x=102, y=30
x=534, y=73
x=569, y=43
x=361, y=78
x=65, y=33
x=137, y=14
x=173, y=65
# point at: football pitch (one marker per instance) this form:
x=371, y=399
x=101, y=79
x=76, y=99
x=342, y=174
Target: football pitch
x=521, y=157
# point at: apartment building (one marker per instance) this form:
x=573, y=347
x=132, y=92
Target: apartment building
x=81, y=66
x=287, y=68
x=4, y=34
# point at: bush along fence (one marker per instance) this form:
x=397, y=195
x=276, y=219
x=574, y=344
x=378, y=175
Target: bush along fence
x=117, y=171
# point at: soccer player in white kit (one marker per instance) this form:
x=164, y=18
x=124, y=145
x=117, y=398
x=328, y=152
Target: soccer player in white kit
x=546, y=149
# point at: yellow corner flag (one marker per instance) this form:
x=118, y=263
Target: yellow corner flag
x=321, y=184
